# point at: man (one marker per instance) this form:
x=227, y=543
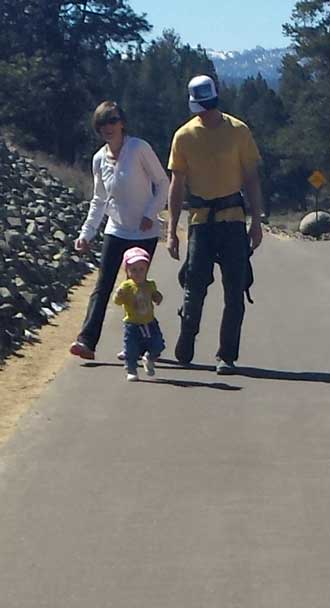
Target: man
x=215, y=156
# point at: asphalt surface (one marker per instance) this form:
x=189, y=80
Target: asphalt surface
x=191, y=490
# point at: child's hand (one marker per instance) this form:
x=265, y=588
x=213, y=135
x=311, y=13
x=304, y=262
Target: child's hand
x=119, y=292
x=157, y=297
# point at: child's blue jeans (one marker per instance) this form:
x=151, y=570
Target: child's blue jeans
x=141, y=338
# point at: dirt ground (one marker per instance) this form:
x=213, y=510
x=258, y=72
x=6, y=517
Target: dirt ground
x=26, y=373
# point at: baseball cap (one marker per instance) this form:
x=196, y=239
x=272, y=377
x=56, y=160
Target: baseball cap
x=135, y=254
x=201, y=89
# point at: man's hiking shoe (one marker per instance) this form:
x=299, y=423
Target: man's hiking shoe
x=132, y=375
x=185, y=347
x=224, y=368
x=81, y=350
x=148, y=364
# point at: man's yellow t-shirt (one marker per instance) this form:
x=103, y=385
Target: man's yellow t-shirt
x=137, y=301
x=215, y=160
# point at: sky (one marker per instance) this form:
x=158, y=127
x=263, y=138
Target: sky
x=225, y=25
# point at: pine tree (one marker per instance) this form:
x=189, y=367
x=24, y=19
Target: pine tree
x=55, y=61
x=305, y=86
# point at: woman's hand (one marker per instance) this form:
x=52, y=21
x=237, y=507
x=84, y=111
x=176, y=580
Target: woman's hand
x=146, y=224
x=81, y=245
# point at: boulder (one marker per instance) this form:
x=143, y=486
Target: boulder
x=315, y=223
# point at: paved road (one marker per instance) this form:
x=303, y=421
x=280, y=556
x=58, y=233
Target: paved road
x=193, y=492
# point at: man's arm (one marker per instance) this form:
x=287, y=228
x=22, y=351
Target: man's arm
x=252, y=188
x=175, y=200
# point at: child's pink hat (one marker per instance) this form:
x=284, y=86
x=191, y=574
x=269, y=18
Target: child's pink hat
x=135, y=254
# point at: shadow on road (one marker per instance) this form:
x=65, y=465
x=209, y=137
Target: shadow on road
x=275, y=374
x=191, y=383
x=173, y=381
x=174, y=364
x=101, y=364
x=249, y=372
x=254, y=372
x=169, y=364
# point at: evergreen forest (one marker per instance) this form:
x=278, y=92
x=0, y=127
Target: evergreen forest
x=60, y=59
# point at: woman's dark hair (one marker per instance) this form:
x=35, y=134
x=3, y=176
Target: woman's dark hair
x=104, y=112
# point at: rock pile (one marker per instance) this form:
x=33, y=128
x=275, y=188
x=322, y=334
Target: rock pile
x=39, y=220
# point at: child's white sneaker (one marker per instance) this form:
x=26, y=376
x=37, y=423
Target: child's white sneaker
x=148, y=364
x=121, y=356
x=132, y=376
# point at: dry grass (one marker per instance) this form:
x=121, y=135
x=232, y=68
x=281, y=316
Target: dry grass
x=72, y=176
x=286, y=220
x=24, y=376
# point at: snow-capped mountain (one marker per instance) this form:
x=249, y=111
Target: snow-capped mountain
x=235, y=66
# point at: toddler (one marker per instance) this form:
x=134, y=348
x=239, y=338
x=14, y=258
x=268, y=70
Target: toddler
x=142, y=334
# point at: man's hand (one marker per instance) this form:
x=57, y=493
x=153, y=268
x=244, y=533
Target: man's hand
x=146, y=224
x=253, y=191
x=255, y=234
x=81, y=245
x=175, y=200
x=173, y=246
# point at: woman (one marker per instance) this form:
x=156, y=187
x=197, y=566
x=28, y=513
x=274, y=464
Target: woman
x=130, y=186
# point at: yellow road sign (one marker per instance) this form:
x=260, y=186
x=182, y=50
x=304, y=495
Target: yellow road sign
x=317, y=179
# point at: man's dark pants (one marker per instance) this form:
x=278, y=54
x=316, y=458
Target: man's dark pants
x=111, y=259
x=224, y=243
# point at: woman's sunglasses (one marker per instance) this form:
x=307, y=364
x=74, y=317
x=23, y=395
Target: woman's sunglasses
x=113, y=120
